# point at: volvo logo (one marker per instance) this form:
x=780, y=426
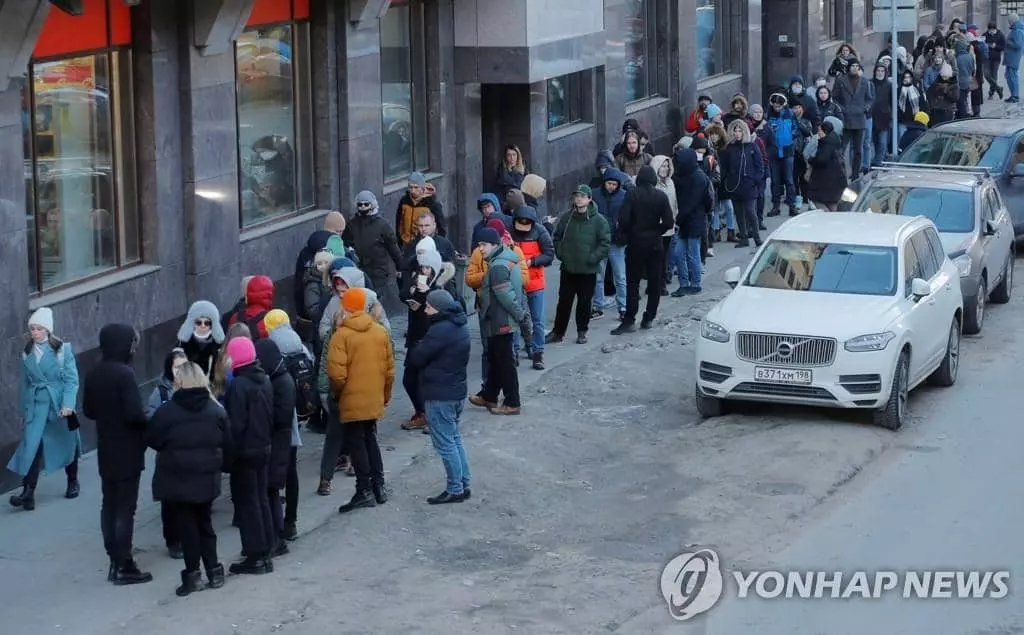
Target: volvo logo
x=785, y=350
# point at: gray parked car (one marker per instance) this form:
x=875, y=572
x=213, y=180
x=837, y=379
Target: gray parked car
x=975, y=228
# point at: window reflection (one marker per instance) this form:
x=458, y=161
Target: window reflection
x=950, y=210
x=709, y=39
x=565, y=100
x=825, y=268
x=403, y=90
x=958, y=149
x=641, y=44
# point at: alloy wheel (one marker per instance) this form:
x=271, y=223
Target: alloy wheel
x=979, y=306
x=954, y=350
x=901, y=398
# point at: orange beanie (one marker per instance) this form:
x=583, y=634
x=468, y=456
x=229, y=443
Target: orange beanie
x=354, y=300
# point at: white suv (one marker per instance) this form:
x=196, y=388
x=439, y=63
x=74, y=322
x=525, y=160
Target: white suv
x=840, y=310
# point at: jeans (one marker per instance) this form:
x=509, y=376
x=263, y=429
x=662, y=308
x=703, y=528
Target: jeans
x=443, y=418
x=361, y=440
x=535, y=300
x=411, y=382
x=963, y=104
x=880, y=139
x=723, y=208
x=782, y=181
x=198, y=540
x=617, y=256
x=640, y=260
x=117, y=517
x=501, y=374
x=747, y=219
x=333, y=444
x=868, y=145
x=854, y=141
x=572, y=287
x=1013, y=80
x=690, y=265
x=291, y=489
x=255, y=523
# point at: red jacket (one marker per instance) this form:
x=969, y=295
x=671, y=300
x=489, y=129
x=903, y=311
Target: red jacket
x=259, y=300
x=693, y=121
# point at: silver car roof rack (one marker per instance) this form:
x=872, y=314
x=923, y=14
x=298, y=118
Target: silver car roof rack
x=891, y=166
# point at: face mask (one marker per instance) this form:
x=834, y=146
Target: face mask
x=907, y=82
x=797, y=89
x=700, y=155
x=267, y=155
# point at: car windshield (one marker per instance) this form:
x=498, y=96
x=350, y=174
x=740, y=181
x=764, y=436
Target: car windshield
x=952, y=211
x=958, y=148
x=825, y=268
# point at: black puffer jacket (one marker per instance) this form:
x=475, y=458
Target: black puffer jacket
x=442, y=357
x=376, y=244
x=191, y=435
x=828, y=179
x=694, y=194
x=250, y=404
x=113, y=401
x=646, y=213
x=283, y=387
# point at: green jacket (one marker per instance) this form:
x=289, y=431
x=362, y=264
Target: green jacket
x=582, y=240
x=499, y=303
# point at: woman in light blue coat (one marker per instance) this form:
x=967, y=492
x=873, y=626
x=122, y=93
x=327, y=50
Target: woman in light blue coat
x=49, y=392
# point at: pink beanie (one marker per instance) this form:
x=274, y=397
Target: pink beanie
x=241, y=351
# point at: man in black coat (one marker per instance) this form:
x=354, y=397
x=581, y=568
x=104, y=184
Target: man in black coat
x=696, y=200
x=250, y=404
x=283, y=386
x=645, y=215
x=376, y=244
x=112, y=400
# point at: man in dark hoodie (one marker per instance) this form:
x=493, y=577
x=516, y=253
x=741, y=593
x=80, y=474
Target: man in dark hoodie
x=489, y=207
x=379, y=255
x=630, y=125
x=646, y=214
x=609, y=201
x=602, y=163
x=535, y=242
x=798, y=94
x=283, y=386
x=112, y=400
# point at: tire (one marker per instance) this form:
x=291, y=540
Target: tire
x=945, y=375
x=891, y=415
x=1001, y=294
x=708, y=407
x=974, y=309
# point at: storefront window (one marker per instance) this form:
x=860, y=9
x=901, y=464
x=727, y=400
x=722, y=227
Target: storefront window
x=642, y=69
x=275, y=120
x=565, y=100
x=83, y=215
x=711, y=51
x=403, y=74
x=829, y=20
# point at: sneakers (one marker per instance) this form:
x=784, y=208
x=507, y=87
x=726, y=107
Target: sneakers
x=596, y=314
x=444, y=498
x=625, y=327
x=553, y=338
x=538, y=361
x=711, y=252
x=415, y=422
x=325, y=488
x=363, y=498
x=681, y=291
x=480, y=402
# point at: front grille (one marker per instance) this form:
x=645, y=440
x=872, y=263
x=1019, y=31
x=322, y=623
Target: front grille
x=783, y=390
x=861, y=384
x=764, y=348
x=714, y=373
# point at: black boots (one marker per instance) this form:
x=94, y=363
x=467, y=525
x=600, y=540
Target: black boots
x=26, y=499
x=191, y=581
x=625, y=327
x=291, y=532
x=252, y=565
x=215, y=577
x=174, y=551
x=128, y=573
x=444, y=498
x=380, y=490
x=362, y=498
x=73, y=489
x=538, y=361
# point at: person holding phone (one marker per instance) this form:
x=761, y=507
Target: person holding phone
x=49, y=391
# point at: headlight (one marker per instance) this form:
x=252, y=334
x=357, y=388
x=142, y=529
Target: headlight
x=849, y=196
x=963, y=263
x=870, y=342
x=714, y=332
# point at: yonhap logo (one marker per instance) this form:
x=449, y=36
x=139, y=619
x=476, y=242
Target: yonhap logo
x=691, y=583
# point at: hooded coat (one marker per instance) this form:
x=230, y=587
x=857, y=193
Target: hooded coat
x=828, y=178
x=608, y=205
x=582, y=240
x=783, y=127
x=407, y=213
x=965, y=66
x=666, y=185
x=742, y=168
x=443, y=278
x=191, y=436
x=914, y=130
x=249, y=401
x=631, y=162
x=828, y=107
x=375, y=242
x=855, y=95
x=646, y=213
x=442, y=357
x=881, y=107
x=283, y=387
x=202, y=352
x=112, y=400
x=806, y=98
x=361, y=368
x=694, y=195
x=536, y=246
x=738, y=110
x=500, y=307
x=480, y=224
x=164, y=388
x=604, y=160
x=259, y=300
x=944, y=92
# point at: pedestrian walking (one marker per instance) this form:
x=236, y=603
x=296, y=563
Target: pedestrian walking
x=361, y=367
x=645, y=216
x=441, y=358
x=582, y=239
x=250, y=407
x=283, y=387
x=49, y=394
x=503, y=315
x=191, y=435
x=996, y=41
x=112, y=400
x=696, y=200
x=160, y=395
x=201, y=335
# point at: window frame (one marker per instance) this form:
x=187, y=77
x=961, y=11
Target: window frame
x=931, y=264
x=832, y=20
x=419, y=76
x=117, y=149
x=936, y=244
x=299, y=208
x=581, y=85
x=912, y=260
x=722, y=35
x=653, y=67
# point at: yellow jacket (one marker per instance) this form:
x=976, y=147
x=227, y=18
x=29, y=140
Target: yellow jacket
x=476, y=271
x=361, y=368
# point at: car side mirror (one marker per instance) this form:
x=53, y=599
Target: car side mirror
x=920, y=288
x=1018, y=171
x=732, y=276
x=990, y=228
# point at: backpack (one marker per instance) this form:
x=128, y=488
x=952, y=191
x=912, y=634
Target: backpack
x=254, y=323
x=300, y=368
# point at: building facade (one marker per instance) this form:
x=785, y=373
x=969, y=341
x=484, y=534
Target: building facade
x=152, y=152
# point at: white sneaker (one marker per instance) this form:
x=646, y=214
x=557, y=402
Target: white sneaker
x=711, y=252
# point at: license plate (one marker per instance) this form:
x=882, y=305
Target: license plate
x=782, y=375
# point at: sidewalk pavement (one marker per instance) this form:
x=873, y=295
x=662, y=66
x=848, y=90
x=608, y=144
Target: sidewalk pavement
x=53, y=561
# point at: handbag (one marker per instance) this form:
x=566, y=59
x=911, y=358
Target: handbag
x=73, y=423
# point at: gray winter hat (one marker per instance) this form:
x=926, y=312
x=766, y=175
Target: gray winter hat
x=441, y=300
x=201, y=309
x=366, y=196
x=417, y=178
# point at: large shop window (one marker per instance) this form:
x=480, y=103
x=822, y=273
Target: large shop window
x=565, y=100
x=643, y=68
x=830, y=24
x=275, y=120
x=82, y=204
x=403, y=75
x=712, y=38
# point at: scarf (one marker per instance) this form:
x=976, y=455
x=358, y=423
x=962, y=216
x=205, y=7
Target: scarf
x=910, y=99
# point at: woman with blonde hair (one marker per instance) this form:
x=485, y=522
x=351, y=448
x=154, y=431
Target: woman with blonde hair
x=511, y=172
x=192, y=437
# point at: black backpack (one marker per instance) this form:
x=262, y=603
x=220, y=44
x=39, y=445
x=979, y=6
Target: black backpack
x=301, y=369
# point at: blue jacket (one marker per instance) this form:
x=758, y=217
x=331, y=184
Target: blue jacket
x=1014, y=45
x=609, y=206
x=442, y=357
x=505, y=218
x=783, y=127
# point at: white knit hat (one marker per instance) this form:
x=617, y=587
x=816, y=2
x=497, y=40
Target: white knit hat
x=42, y=317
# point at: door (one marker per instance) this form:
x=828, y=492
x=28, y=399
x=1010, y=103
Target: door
x=1013, y=187
x=992, y=259
x=505, y=120
x=1004, y=231
x=927, y=323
